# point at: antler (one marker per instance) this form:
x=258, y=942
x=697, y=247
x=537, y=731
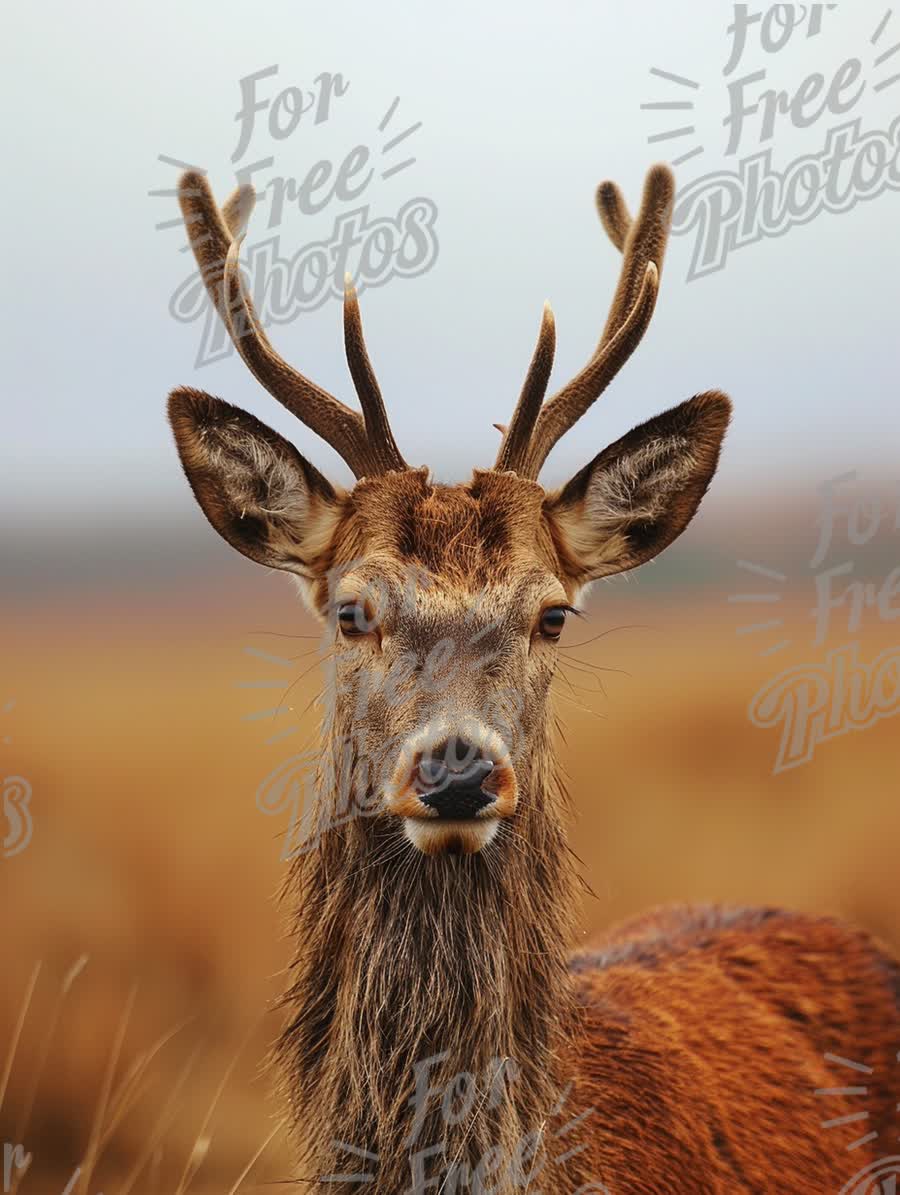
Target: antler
x=517, y=436
x=535, y=429
x=363, y=440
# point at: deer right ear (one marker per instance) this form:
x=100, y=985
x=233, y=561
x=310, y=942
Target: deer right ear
x=640, y=493
x=253, y=486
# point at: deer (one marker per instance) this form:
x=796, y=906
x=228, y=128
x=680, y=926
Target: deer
x=443, y=1031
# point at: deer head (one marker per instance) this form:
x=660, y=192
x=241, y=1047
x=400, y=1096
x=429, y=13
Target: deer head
x=446, y=602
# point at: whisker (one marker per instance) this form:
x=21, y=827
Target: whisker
x=282, y=635
x=583, y=708
x=297, y=681
x=596, y=667
x=304, y=654
x=597, y=688
x=636, y=626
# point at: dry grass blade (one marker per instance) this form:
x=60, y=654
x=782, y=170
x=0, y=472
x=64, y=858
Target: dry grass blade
x=17, y=1032
x=161, y=1126
x=39, y=1068
x=191, y=1168
x=93, y=1150
x=125, y=1097
x=271, y=1137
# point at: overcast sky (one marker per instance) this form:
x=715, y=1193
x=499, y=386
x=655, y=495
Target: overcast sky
x=524, y=107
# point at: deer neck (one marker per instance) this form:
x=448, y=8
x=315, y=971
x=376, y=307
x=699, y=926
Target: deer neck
x=413, y=971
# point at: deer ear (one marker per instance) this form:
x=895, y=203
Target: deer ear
x=639, y=494
x=253, y=486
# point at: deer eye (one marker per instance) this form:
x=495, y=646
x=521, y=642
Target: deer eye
x=353, y=619
x=553, y=619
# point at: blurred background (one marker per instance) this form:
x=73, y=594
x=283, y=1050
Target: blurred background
x=142, y=941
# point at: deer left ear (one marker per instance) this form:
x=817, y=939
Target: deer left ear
x=255, y=488
x=640, y=493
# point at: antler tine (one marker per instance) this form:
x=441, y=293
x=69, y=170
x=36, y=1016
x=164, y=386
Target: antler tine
x=514, y=449
x=643, y=244
x=208, y=234
x=216, y=249
x=386, y=454
x=640, y=241
x=566, y=408
x=614, y=214
x=237, y=208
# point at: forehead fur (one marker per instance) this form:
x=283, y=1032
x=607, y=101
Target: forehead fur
x=488, y=527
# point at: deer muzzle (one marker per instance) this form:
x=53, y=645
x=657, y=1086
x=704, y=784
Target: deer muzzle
x=452, y=789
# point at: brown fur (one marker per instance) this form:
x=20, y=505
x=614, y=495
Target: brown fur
x=705, y=1035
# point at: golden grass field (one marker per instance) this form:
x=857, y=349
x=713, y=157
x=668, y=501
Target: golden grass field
x=150, y=858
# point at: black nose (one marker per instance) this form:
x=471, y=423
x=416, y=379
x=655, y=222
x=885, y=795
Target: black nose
x=449, y=779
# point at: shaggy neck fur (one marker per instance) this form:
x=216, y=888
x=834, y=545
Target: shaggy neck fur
x=454, y=965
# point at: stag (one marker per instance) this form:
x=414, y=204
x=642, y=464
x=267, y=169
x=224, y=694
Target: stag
x=433, y=936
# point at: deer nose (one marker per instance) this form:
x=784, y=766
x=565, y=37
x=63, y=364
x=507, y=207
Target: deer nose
x=449, y=779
